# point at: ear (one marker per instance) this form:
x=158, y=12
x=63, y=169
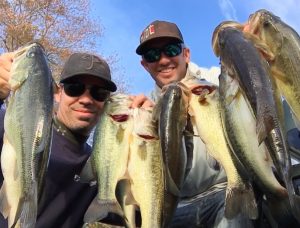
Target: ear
x=57, y=94
x=187, y=54
x=145, y=64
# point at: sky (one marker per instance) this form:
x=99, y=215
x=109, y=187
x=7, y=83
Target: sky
x=124, y=20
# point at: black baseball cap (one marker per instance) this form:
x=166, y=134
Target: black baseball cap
x=158, y=29
x=87, y=64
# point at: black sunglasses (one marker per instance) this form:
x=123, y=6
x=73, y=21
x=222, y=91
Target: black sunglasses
x=171, y=50
x=76, y=89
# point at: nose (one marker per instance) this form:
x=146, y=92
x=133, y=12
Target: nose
x=164, y=58
x=86, y=97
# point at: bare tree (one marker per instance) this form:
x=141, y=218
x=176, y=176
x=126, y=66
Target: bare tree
x=61, y=26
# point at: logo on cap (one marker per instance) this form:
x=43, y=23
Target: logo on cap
x=147, y=32
x=91, y=60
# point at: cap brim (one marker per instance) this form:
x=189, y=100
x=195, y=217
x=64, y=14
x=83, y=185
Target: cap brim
x=141, y=48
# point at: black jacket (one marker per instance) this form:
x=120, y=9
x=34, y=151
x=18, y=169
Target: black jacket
x=65, y=200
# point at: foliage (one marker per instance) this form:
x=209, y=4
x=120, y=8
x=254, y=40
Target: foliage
x=61, y=26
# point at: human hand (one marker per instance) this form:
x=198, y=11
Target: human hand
x=141, y=101
x=6, y=60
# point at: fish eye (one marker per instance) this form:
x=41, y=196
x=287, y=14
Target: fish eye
x=30, y=54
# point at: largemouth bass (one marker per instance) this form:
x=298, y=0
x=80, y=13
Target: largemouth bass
x=109, y=157
x=145, y=169
x=240, y=56
x=240, y=127
x=282, y=53
x=205, y=111
x=172, y=115
x=243, y=62
x=27, y=136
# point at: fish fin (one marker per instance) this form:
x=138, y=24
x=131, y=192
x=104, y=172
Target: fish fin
x=279, y=75
x=15, y=221
x=261, y=131
x=16, y=84
x=99, y=210
x=246, y=203
x=4, y=206
x=7, y=146
x=87, y=174
x=129, y=211
x=130, y=200
x=124, y=194
x=126, y=200
x=28, y=213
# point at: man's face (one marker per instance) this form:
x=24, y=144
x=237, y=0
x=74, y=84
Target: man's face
x=166, y=69
x=80, y=113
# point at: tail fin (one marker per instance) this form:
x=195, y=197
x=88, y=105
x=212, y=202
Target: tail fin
x=29, y=208
x=240, y=200
x=4, y=206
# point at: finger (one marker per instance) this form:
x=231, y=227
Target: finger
x=6, y=61
x=138, y=101
x=132, y=97
x=4, y=74
x=148, y=104
x=4, y=89
x=246, y=28
x=7, y=58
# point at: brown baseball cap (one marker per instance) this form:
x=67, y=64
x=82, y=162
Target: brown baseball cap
x=87, y=64
x=158, y=29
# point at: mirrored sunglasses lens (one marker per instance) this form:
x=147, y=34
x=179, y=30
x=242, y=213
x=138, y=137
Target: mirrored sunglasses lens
x=152, y=55
x=172, y=50
x=99, y=93
x=74, y=89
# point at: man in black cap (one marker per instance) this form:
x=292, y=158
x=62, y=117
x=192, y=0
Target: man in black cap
x=167, y=59
x=85, y=84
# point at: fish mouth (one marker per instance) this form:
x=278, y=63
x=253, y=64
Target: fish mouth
x=147, y=137
x=218, y=29
x=203, y=89
x=120, y=117
x=252, y=26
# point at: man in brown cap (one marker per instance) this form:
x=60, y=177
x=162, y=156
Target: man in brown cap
x=167, y=59
x=85, y=83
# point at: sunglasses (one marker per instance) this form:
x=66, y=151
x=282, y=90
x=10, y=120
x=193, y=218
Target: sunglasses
x=171, y=50
x=76, y=89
